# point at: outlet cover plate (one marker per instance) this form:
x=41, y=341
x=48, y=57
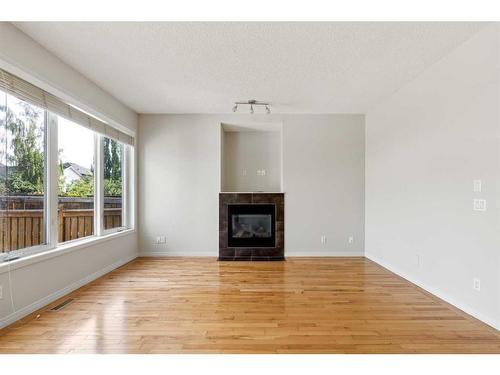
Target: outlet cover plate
x=476, y=284
x=479, y=205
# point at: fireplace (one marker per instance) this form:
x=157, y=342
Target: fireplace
x=251, y=225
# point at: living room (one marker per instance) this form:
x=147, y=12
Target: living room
x=249, y=187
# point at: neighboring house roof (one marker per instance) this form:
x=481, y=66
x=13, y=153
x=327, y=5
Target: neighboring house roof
x=73, y=167
x=77, y=169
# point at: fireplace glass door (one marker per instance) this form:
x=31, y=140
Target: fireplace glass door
x=251, y=225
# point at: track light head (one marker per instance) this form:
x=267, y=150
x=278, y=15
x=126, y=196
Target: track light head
x=251, y=109
x=235, y=108
x=268, y=110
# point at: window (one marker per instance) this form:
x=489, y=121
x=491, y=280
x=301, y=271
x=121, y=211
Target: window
x=63, y=173
x=113, y=184
x=76, y=153
x=22, y=174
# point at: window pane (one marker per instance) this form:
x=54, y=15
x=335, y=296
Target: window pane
x=113, y=184
x=76, y=181
x=22, y=173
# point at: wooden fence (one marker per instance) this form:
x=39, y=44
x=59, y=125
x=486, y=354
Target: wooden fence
x=24, y=228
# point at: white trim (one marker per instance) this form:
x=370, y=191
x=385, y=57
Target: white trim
x=19, y=314
x=60, y=250
x=99, y=186
x=438, y=293
x=167, y=253
x=105, y=232
x=51, y=179
x=324, y=253
x=125, y=187
x=170, y=253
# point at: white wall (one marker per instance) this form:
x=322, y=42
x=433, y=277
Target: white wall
x=245, y=153
x=323, y=177
x=36, y=282
x=424, y=147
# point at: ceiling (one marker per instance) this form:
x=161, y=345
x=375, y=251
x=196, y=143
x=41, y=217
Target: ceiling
x=338, y=67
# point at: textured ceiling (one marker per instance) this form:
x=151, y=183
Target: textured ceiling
x=205, y=67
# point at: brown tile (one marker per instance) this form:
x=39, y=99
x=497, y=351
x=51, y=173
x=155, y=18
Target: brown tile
x=243, y=198
x=280, y=226
x=243, y=258
x=243, y=252
x=276, y=252
x=222, y=225
x=260, y=259
x=226, y=252
x=226, y=198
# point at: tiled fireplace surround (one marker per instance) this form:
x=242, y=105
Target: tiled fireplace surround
x=250, y=253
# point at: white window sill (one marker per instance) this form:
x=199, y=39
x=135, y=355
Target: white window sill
x=61, y=250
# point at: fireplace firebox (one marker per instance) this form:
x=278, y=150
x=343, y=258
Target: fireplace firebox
x=251, y=225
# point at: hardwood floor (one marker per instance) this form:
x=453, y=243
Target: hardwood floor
x=199, y=305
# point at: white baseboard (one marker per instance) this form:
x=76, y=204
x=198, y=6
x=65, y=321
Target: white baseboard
x=177, y=254
x=438, y=293
x=19, y=314
x=291, y=254
x=320, y=253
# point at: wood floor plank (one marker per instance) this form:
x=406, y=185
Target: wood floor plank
x=199, y=305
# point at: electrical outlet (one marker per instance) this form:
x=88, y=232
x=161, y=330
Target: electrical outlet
x=476, y=284
x=323, y=239
x=351, y=239
x=161, y=239
x=479, y=205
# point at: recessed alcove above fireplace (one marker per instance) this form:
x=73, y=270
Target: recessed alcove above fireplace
x=251, y=157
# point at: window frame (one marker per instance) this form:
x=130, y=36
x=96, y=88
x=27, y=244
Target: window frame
x=124, y=175
x=47, y=137
x=56, y=182
x=51, y=196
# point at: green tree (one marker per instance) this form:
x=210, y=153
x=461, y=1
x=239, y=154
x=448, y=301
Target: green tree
x=26, y=161
x=112, y=168
x=84, y=187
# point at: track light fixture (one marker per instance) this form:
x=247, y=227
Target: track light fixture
x=252, y=103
